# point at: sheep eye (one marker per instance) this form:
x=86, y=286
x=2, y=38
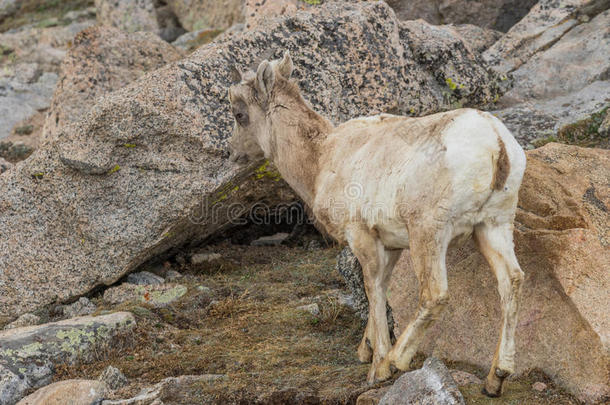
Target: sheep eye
x=241, y=118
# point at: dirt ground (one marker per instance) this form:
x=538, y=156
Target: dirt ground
x=240, y=318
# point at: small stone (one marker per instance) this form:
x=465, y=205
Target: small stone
x=145, y=278
x=24, y=320
x=204, y=289
x=372, y=397
x=157, y=295
x=539, y=386
x=464, y=378
x=314, y=245
x=201, y=258
x=173, y=275
x=432, y=384
x=272, y=240
x=68, y=392
x=83, y=306
x=313, y=309
x=113, y=377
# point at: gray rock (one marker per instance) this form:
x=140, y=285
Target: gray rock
x=144, y=278
x=79, y=308
x=66, y=223
x=127, y=15
x=153, y=395
x=4, y=165
x=349, y=267
x=8, y=8
x=478, y=38
x=430, y=385
x=313, y=309
x=12, y=386
x=24, y=320
x=196, y=15
x=22, y=94
x=155, y=295
x=546, y=23
x=495, y=14
x=69, y=392
x=537, y=120
x=271, y=240
x=173, y=275
x=578, y=59
x=139, y=15
x=29, y=355
x=113, y=378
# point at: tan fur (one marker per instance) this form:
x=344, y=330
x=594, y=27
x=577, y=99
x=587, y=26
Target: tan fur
x=502, y=167
x=386, y=183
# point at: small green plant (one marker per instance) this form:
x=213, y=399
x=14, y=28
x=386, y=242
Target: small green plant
x=24, y=130
x=313, y=2
x=115, y=169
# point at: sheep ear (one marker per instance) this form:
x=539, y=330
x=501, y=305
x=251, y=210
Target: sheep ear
x=285, y=67
x=235, y=75
x=265, y=79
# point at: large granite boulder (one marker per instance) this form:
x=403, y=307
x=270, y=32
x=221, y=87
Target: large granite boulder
x=145, y=169
x=556, y=61
x=562, y=239
x=102, y=60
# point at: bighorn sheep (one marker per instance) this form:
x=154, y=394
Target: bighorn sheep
x=386, y=183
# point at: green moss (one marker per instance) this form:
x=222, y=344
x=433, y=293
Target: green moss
x=167, y=296
x=30, y=349
x=263, y=171
x=130, y=145
x=224, y=192
x=115, y=169
x=451, y=84
x=585, y=132
x=540, y=142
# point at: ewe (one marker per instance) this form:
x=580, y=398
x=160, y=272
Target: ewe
x=386, y=183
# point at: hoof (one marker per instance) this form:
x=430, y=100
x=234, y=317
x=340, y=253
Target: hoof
x=380, y=372
x=489, y=394
x=365, y=354
x=494, y=382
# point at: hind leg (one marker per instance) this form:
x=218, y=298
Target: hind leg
x=495, y=242
x=428, y=251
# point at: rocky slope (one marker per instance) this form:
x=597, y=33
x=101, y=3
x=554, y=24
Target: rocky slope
x=123, y=183
x=131, y=167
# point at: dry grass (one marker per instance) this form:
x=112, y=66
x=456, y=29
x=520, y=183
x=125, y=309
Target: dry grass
x=250, y=330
